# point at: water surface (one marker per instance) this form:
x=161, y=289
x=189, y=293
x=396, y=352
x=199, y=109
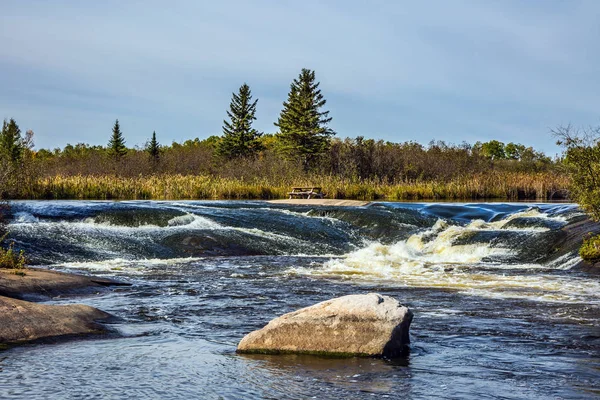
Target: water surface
x=500, y=311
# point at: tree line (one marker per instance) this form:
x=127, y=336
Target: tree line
x=303, y=126
x=304, y=144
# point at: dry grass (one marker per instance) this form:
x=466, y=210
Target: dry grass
x=495, y=185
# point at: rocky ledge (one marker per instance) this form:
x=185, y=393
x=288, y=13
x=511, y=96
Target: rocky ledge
x=41, y=284
x=368, y=325
x=24, y=321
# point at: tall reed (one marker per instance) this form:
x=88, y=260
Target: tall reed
x=492, y=185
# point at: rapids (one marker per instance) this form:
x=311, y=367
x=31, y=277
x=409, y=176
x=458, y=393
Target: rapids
x=502, y=308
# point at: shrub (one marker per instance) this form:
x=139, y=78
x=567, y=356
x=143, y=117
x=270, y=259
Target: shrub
x=590, y=249
x=582, y=161
x=10, y=259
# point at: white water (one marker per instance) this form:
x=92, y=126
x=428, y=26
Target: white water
x=441, y=256
x=432, y=259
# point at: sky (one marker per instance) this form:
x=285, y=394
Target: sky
x=461, y=70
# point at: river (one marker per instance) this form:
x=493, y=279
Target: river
x=500, y=311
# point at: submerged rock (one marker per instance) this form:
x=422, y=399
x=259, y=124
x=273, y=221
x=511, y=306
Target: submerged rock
x=354, y=325
x=23, y=321
x=132, y=217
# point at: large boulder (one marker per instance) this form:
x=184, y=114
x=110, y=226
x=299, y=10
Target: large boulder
x=22, y=321
x=355, y=325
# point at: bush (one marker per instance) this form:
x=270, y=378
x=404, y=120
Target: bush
x=582, y=161
x=590, y=249
x=9, y=258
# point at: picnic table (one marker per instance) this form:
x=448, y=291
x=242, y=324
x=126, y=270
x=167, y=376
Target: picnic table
x=312, y=192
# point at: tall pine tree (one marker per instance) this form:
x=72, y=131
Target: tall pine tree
x=153, y=148
x=302, y=125
x=11, y=141
x=116, y=145
x=239, y=138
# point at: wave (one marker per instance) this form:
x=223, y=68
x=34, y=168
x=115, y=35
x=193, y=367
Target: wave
x=121, y=266
x=454, y=256
x=385, y=234
x=492, y=250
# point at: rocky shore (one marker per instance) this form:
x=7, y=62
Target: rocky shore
x=23, y=320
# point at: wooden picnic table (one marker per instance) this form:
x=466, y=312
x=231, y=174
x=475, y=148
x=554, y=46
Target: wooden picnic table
x=306, y=192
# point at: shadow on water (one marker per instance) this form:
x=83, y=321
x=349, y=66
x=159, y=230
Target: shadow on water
x=369, y=375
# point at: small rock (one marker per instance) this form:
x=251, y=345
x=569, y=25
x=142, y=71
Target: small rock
x=355, y=325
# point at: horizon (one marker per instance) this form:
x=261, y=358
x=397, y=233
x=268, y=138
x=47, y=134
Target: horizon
x=508, y=72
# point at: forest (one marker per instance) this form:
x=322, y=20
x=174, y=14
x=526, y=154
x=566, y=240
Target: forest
x=243, y=163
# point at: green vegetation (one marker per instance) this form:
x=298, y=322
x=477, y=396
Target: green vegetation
x=590, y=249
x=239, y=138
x=9, y=258
x=153, y=149
x=303, y=126
x=17, y=168
x=116, y=145
x=497, y=150
x=317, y=353
x=350, y=168
x=582, y=161
x=246, y=164
x=11, y=142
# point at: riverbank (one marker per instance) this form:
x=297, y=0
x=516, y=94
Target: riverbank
x=22, y=320
x=321, y=202
x=494, y=185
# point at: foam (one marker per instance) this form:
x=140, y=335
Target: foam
x=121, y=265
x=431, y=258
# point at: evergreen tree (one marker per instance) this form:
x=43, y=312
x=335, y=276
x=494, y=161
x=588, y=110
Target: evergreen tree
x=153, y=148
x=11, y=142
x=303, y=126
x=116, y=145
x=239, y=138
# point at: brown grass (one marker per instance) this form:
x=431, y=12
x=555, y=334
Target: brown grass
x=493, y=185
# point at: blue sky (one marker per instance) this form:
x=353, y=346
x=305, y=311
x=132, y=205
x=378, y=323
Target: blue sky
x=448, y=70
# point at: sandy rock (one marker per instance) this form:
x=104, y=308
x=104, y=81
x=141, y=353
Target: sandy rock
x=22, y=321
x=355, y=325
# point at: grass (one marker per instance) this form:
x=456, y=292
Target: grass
x=496, y=185
x=590, y=249
x=10, y=259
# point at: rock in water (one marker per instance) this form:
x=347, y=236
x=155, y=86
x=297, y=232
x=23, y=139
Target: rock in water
x=355, y=325
x=22, y=321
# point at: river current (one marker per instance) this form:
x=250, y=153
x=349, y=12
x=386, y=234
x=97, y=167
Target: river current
x=501, y=311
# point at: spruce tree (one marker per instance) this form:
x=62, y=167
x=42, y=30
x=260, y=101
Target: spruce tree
x=153, y=148
x=239, y=138
x=302, y=125
x=116, y=145
x=11, y=142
